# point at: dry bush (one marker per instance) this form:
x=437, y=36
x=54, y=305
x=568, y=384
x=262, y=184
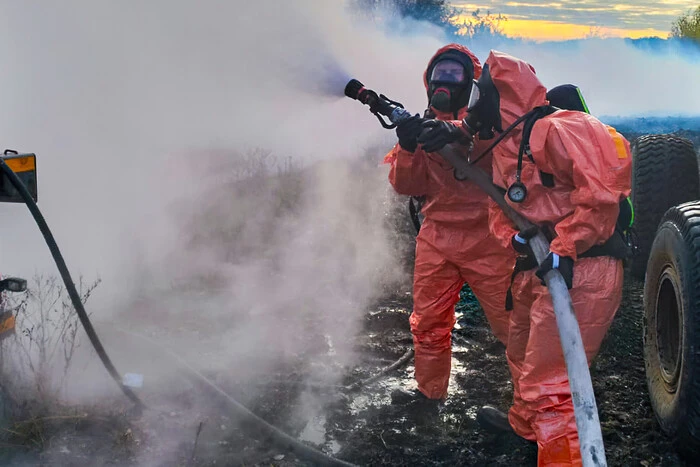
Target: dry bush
x=249, y=197
x=245, y=195
x=35, y=363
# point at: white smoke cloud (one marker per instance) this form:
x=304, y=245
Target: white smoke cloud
x=141, y=114
x=105, y=93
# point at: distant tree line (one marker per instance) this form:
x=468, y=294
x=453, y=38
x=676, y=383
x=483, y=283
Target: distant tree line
x=687, y=26
x=437, y=12
x=440, y=13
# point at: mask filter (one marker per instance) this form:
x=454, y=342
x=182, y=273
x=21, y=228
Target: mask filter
x=441, y=99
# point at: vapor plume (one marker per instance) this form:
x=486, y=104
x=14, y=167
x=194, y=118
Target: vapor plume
x=201, y=160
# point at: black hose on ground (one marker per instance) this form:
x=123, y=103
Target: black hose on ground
x=405, y=358
x=68, y=281
x=281, y=439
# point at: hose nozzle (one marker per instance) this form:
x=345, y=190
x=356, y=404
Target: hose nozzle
x=353, y=88
x=378, y=104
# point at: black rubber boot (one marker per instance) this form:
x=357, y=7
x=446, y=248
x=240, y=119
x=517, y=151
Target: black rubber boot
x=493, y=420
x=406, y=396
x=416, y=400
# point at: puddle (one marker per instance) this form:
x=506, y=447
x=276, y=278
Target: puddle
x=458, y=348
x=332, y=447
x=382, y=310
x=458, y=368
x=315, y=432
x=367, y=399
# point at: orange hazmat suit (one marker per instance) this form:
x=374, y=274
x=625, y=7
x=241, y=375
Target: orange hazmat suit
x=591, y=168
x=453, y=246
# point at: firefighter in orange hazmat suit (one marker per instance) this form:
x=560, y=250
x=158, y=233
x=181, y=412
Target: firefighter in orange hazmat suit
x=454, y=245
x=574, y=172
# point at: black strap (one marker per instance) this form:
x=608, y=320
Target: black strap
x=615, y=247
x=536, y=114
x=523, y=263
x=503, y=135
x=547, y=179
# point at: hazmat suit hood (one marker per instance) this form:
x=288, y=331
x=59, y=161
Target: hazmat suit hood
x=472, y=65
x=517, y=84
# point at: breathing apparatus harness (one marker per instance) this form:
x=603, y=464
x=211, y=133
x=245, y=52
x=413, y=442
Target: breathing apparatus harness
x=517, y=192
x=621, y=245
x=530, y=116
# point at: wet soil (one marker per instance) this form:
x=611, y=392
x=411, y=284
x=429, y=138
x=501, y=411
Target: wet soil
x=362, y=427
x=397, y=435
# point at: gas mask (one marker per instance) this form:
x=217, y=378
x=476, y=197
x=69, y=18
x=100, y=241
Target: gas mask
x=449, y=82
x=484, y=106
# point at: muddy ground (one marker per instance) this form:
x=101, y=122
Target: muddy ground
x=360, y=427
x=390, y=435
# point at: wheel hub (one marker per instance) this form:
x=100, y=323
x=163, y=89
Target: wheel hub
x=669, y=316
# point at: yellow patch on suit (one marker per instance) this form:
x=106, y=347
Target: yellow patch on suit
x=619, y=143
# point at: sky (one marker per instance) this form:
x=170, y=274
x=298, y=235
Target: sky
x=573, y=19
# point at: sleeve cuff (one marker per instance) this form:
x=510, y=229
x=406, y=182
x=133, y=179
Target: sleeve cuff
x=560, y=249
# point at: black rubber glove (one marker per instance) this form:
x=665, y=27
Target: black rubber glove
x=408, y=131
x=437, y=134
x=520, y=241
x=564, y=264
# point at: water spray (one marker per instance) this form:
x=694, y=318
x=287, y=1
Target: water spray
x=583, y=398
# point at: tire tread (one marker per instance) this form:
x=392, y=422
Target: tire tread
x=665, y=174
x=686, y=218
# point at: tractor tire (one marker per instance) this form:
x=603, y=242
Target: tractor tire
x=665, y=174
x=672, y=327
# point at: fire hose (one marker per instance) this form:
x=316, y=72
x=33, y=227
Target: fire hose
x=585, y=408
x=281, y=439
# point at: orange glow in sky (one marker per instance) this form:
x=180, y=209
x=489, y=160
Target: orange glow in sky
x=549, y=20
x=551, y=30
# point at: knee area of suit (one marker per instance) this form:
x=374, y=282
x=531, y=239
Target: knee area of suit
x=433, y=339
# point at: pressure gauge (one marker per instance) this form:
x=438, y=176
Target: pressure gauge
x=517, y=192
